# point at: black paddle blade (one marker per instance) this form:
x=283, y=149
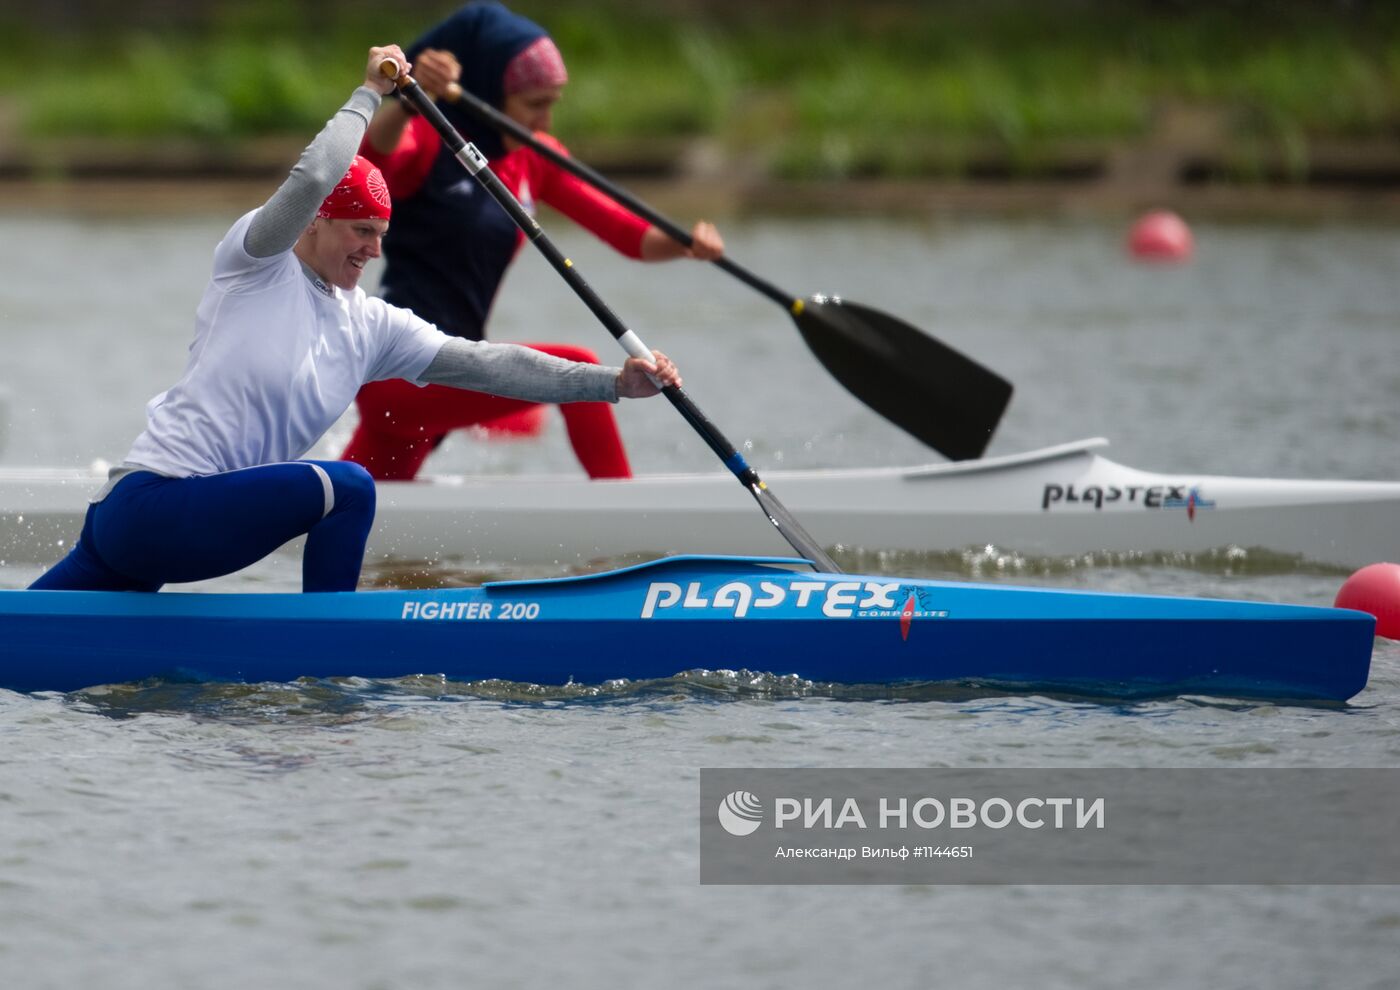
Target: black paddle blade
x=920, y=384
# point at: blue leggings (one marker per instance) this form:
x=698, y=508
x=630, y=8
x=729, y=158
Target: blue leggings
x=151, y=530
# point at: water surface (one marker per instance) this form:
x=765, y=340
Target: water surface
x=425, y=834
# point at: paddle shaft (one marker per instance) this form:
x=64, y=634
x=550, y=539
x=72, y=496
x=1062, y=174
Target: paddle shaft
x=476, y=164
x=489, y=115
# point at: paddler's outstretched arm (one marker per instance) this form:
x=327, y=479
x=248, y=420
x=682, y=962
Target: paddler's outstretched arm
x=518, y=372
x=280, y=221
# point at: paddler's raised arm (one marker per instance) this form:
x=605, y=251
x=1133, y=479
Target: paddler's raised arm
x=434, y=70
x=280, y=221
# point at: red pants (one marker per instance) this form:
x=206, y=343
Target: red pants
x=400, y=423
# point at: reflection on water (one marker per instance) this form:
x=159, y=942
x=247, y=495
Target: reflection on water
x=344, y=701
x=305, y=700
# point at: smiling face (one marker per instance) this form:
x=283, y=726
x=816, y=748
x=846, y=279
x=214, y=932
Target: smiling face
x=338, y=250
x=534, y=108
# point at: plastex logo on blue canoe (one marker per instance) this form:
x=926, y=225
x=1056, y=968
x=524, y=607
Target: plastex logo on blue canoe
x=834, y=599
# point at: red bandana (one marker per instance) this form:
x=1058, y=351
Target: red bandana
x=360, y=195
x=537, y=67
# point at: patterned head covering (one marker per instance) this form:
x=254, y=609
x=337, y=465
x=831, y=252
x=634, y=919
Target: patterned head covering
x=486, y=38
x=360, y=195
x=537, y=67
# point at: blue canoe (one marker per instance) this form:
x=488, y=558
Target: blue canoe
x=660, y=618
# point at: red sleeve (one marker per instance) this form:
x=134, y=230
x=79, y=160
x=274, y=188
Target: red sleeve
x=594, y=211
x=406, y=168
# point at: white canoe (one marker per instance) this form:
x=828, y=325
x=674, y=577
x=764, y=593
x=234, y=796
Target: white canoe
x=1058, y=501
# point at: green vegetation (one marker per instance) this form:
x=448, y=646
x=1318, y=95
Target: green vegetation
x=816, y=90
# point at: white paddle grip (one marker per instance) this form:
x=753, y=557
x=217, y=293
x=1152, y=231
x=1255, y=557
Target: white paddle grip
x=634, y=347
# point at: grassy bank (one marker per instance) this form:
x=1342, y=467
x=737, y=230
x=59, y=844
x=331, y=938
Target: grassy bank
x=811, y=90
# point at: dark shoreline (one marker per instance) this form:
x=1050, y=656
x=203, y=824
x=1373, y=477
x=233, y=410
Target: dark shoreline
x=166, y=195
x=1172, y=169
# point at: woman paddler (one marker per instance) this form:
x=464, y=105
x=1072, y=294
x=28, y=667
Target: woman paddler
x=284, y=338
x=452, y=243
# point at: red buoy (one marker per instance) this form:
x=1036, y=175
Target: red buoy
x=1161, y=236
x=1375, y=589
